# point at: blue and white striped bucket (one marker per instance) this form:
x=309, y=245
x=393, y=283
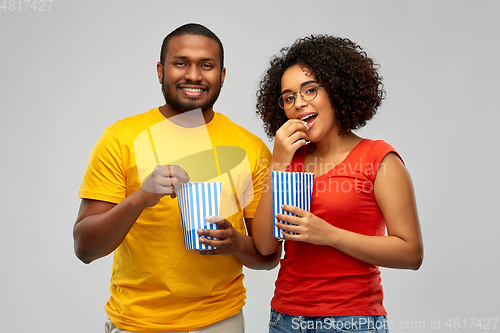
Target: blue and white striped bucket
x=198, y=200
x=290, y=188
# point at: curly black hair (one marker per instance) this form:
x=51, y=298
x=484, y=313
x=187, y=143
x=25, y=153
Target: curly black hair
x=350, y=77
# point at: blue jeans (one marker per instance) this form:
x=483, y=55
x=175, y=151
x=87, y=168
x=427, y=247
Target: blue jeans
x=282, y=323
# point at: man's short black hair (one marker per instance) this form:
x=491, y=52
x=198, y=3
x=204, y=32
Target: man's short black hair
x=191, y=29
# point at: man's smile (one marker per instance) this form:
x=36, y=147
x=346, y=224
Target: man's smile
x=192, y=91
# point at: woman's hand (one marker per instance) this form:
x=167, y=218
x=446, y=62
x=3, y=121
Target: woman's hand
x=290, y=137
x=307, y=227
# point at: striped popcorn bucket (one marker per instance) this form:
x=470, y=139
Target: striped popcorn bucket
x=290, y=188
x=196, y=201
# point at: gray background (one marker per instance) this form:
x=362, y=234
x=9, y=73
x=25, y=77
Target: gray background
x=69, y=72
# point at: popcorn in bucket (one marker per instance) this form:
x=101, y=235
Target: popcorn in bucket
x=196, y=201
x=290, y=188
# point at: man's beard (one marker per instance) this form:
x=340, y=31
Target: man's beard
x=176, y=104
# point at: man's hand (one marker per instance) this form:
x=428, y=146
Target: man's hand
x=164, y=180
x=226, y=241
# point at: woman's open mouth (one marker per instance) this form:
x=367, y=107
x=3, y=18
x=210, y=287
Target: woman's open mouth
x=309, y=119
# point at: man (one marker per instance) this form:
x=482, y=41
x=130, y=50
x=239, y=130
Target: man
x=129, y=203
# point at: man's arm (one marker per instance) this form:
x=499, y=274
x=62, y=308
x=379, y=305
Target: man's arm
x=229, y=241
x=102, y=226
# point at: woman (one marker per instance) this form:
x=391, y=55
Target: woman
x=312, y=98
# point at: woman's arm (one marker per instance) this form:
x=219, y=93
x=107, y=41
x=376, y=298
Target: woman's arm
x=263, y=221
x=401, y=248
x=289, y=138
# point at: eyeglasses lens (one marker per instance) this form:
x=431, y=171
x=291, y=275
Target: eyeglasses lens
x=308, y=93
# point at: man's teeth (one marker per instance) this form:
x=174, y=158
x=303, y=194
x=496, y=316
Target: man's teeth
x=192, y=89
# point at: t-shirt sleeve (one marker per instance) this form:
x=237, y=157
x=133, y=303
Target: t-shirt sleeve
x=260, y=169
x=376, y=154
x=105, y=178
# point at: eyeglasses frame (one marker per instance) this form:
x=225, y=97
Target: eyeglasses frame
x=281, y=97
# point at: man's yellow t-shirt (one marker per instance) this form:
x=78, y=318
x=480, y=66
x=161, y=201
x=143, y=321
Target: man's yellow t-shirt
x=157, y=285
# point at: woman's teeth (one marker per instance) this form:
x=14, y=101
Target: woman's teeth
x=308, y=116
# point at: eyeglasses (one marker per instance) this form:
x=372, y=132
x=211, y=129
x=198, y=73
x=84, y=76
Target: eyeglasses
x=307, y=92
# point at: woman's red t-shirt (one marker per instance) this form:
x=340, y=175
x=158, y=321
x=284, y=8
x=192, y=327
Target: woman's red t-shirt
x=317, y=280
